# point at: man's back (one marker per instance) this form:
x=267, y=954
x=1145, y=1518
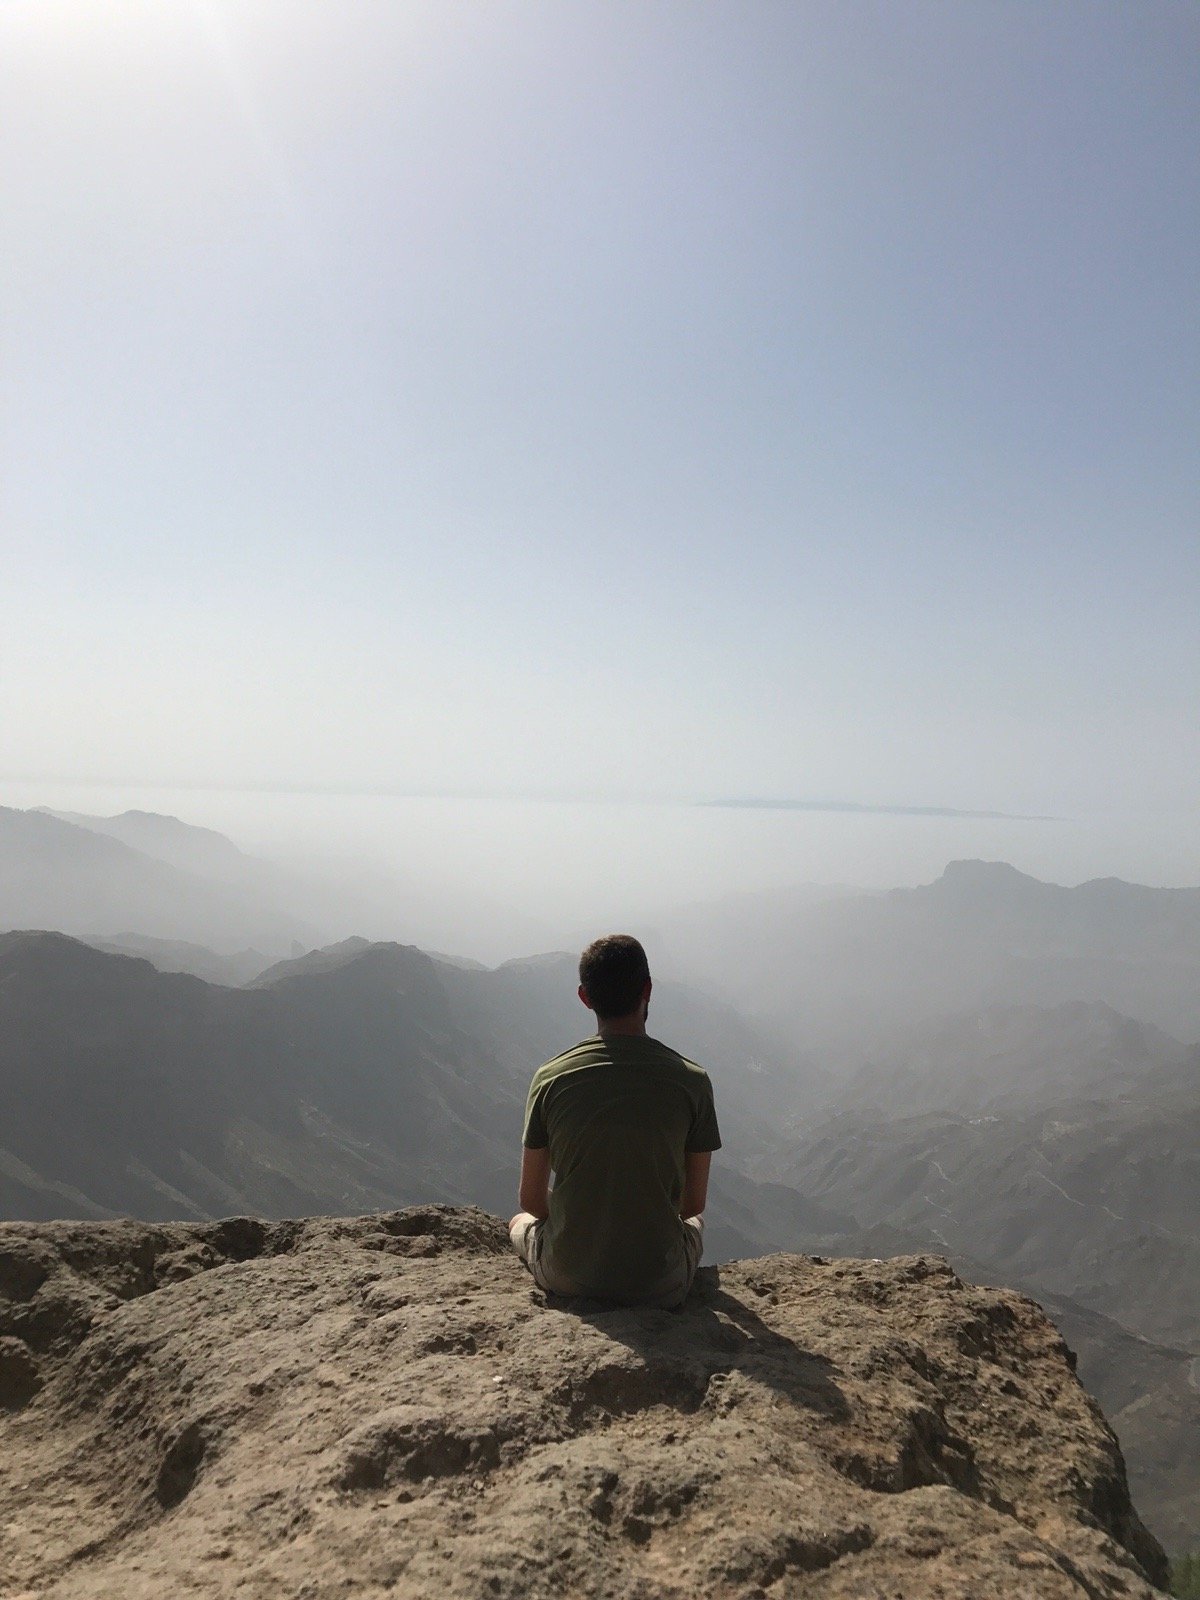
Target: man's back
x=618, y=1114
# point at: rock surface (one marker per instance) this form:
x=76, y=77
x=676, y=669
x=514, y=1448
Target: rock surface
x=386, y=1405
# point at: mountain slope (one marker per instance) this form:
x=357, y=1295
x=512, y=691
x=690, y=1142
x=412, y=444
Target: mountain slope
x=160, y=1095
x=1003, y=1059
x=1096, y=1200
x=1150, y=1394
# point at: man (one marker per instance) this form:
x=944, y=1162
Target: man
x=628, y=1128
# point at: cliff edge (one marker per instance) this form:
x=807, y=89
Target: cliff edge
x=386, y=1405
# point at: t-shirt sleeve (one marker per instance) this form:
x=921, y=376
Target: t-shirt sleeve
x=535, y=1136
x=704, y=1133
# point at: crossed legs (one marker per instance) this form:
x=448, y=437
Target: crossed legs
x=525, y=1232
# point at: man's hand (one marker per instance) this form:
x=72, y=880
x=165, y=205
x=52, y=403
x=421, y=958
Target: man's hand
x=695, y=1182
x=534, y=1193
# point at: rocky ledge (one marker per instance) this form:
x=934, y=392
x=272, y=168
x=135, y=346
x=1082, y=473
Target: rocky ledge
x=386, y=1405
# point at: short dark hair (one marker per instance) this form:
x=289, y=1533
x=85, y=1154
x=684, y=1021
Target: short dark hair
x=613, y=971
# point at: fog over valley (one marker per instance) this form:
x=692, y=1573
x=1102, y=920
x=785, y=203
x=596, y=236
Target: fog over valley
x=496, y=878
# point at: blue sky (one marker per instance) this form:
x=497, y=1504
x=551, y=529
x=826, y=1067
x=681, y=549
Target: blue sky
x=656, y=401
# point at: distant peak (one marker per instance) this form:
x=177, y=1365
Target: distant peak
x=972, y=871
x=986, y=881
x=545, y=958
x=54, y=952
x=355, y=952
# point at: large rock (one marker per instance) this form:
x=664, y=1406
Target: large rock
x=387, y=1405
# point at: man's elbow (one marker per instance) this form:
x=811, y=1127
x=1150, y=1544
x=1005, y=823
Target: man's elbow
x=535, y=1200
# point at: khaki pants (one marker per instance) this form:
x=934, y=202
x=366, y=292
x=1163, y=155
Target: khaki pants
x=528, y=1233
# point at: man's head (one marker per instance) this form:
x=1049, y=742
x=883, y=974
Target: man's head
x=614, y=978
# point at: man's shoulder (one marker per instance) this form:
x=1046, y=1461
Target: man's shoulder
x=646, y=1054
x=671, y=1057
x=583, y=1054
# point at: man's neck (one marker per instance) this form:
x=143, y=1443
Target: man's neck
x=622, y=1028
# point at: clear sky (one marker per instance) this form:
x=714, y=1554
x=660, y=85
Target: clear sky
x=642, y=402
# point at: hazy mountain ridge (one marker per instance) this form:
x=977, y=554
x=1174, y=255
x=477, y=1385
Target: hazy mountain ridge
x=326, y=959
x=57, y=874
x=180, y=955
x=858, y=970
x=353, y=1077
x=166, y=838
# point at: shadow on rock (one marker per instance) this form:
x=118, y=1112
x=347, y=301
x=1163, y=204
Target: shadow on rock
x=715, y=1332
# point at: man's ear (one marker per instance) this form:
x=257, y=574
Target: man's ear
x=583, y=995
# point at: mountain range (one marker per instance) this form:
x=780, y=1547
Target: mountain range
x=357, y=1076
x=932, y=1069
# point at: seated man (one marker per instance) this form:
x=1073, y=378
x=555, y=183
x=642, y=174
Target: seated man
x=628, y=1128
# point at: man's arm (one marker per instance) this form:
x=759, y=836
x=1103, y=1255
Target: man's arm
x=695, y=1181
x=534, y=1193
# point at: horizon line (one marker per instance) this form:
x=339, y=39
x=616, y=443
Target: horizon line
x=405, y=792
x=858, y=808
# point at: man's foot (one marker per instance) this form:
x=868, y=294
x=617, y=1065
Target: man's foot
x=519, y=1231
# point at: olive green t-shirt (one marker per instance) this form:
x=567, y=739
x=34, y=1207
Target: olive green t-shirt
x=618, y=1115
